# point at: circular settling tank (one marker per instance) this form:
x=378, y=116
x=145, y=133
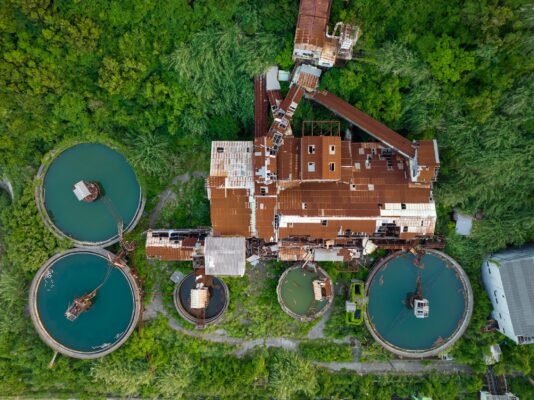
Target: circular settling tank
x=89, y=223
x=392, y=321
x=105, y=325
x=217, y=305
x=296, y=293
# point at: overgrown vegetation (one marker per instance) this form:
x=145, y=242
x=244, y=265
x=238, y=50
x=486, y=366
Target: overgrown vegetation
x=254, y=310
x=164, y=78
x=325, y=350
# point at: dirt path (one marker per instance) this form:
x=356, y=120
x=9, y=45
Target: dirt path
x=168, y=195
x=398, y=367
x=317, y=332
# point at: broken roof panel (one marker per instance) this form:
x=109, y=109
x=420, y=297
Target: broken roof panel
x=161, y=246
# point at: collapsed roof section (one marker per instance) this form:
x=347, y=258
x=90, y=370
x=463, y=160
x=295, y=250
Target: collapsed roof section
x=175, y=245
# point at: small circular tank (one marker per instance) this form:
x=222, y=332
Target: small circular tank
x=435, y=278
x=105, y=325
x=305, y=293
x=217, y=300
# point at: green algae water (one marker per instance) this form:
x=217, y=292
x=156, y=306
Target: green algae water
x=97, y=221
x=297, y=292
x=110, y=316
x=395, y=323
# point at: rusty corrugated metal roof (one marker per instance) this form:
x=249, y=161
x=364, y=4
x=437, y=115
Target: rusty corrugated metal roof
x=169, y=253
x=427, y=161
x=163, y=246
x=311, y=25
x=261, y=107
x=275, y=98
x=293, y=253
x=331, y=231
x=265, y=213
x=230, y=212
x=288, y=159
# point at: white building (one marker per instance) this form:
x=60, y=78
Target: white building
x=488, y=396
x=509, y=280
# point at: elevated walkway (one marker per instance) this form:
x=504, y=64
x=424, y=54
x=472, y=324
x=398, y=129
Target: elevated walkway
x=368, y=124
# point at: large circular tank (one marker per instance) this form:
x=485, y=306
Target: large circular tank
x=94, y=223
x=217, y=305
x=106, y=325
x=393, y=323
x=296, y=292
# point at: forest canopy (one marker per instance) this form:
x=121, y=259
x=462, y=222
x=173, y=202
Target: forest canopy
x=165, y=77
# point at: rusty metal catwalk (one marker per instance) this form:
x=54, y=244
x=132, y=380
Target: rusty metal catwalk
x=261, y=107
x=356, y=117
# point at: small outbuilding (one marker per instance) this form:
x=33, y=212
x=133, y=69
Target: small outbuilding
x=464, y=224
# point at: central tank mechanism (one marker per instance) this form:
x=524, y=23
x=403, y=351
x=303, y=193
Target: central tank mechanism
x=87, y=191
x=84, y=303
x=80, y=305
x=417, y=302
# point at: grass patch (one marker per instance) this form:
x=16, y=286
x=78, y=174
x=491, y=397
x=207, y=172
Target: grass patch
x=254, y=310
x=325, y=351
x=188, y=206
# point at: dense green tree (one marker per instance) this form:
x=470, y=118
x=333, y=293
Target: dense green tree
x=449, y=61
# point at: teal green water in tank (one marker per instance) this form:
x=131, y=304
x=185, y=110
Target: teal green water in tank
x=395, y=322
x=105, y=323
x=297, y=292
x=97, y=221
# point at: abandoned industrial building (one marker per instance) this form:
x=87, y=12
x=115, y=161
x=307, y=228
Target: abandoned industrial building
x=315, y=197
x=319, y=196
